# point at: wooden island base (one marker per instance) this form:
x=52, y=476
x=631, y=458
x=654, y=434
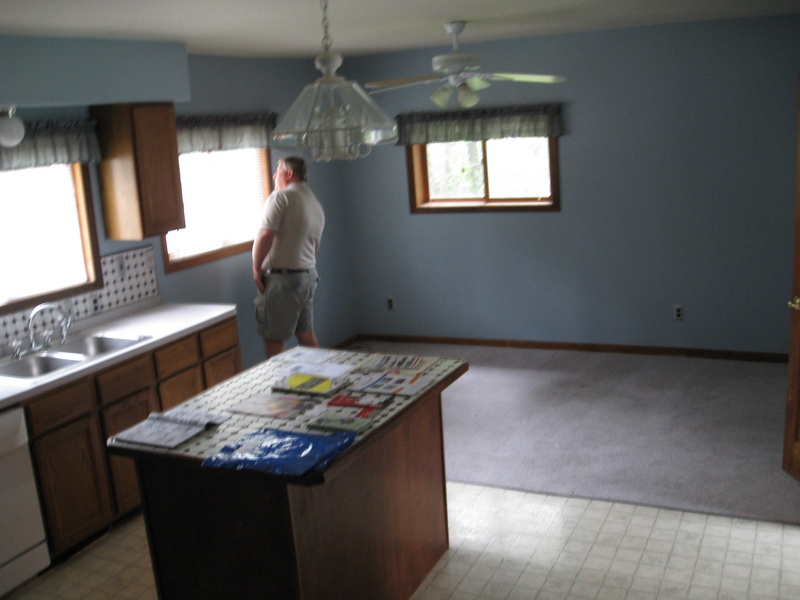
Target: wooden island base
x=372, y=527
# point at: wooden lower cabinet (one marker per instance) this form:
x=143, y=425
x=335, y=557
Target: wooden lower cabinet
x=83, y=489
x=73, y=483
x=117, y=417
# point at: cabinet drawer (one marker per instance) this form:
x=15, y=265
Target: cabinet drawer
x=131, y=377
x=181, y=387
x=177, y=357
x=218, y=338
x=59, y=407
x=128, y=412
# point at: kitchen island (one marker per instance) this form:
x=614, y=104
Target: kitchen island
x=371, y=525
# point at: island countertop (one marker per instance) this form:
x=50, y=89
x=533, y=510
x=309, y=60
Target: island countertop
x=259, y=380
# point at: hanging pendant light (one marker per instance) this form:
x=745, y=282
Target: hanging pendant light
x=333, y=118
x=12, y=129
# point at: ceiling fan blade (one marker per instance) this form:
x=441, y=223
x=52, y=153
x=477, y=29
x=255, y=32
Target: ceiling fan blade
x=527, y=78
x=390, y=84
x=441, y=96
x=477, y=83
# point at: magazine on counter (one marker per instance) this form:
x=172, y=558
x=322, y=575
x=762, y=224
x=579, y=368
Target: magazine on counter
x=171, y=428
x=313, y=378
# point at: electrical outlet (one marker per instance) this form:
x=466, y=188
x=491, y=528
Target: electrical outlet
x=677, y=312
x=389, y=303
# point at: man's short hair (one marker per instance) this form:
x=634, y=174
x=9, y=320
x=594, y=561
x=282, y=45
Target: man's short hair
x=297, y=165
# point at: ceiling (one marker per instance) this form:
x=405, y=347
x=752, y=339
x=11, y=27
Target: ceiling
x=292, y=28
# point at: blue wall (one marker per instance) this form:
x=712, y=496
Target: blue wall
x=39, y=71
x=677, y=177
x=678, y=174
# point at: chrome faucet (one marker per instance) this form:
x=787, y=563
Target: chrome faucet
x=64, y=321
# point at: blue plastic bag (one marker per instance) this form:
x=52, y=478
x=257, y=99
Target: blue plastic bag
x=281, y=452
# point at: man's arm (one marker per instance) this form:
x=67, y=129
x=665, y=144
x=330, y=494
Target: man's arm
x=261, y=247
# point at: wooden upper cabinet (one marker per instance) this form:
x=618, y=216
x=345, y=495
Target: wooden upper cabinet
x=139, y=172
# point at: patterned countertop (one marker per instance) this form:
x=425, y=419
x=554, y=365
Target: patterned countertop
x=260, y=379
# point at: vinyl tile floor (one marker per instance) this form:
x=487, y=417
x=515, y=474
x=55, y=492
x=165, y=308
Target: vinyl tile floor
x=512, y=545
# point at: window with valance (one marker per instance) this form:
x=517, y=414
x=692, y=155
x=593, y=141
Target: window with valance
x=53, y=143
x=225, y=177
x=50, y=240
x=484, y=159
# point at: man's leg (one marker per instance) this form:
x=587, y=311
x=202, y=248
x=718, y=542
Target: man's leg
x=273, y=347
x=307, y=338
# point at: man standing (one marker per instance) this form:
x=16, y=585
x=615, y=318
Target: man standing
x=284, y=259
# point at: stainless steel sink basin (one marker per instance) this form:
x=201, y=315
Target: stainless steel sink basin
x=37, y=365
x=97, y=344
x=62, y=356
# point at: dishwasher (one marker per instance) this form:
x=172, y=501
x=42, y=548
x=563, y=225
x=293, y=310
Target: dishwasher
x=23, y=546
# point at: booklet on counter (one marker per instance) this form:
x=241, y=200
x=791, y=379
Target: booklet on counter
x=392, y=382
x=334, y=420
x=170, y=429
x=397, y=362
x=275, y=406
x=320, y=379
x=360, y=400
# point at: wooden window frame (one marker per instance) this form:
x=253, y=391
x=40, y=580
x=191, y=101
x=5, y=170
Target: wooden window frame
x=419, y=194
x=84, y=202
x=171, y=266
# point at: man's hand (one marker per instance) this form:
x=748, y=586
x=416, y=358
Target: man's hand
x=261, y=247
x=258, y=278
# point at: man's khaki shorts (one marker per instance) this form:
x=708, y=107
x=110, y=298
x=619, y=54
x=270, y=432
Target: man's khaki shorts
x=286, y=306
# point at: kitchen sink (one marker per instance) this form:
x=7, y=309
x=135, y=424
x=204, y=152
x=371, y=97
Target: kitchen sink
x=61, y=356
x=97, y=344
x=37, y=365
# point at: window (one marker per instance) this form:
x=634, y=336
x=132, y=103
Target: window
x=497, y=174
x=488, y=159
x=223, y=191
x=49, y=242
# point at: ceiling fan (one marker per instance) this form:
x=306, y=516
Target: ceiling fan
x=457, y=70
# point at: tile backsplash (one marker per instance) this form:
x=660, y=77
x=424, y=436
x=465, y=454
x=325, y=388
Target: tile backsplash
x=128, y=277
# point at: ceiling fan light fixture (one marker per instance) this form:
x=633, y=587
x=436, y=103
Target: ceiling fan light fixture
x=467, y=98
x=12, y=129
x=441, y=96
x=477, y=83
x=333, y=118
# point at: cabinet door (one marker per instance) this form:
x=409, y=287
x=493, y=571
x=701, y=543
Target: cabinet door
x=156, y=149
x=222, y=367
x=180, y=387
x=117, y=417
x=139, y=171
x=73, y=483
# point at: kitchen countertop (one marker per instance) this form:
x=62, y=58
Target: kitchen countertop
x=163, y=323
x=260, y=379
